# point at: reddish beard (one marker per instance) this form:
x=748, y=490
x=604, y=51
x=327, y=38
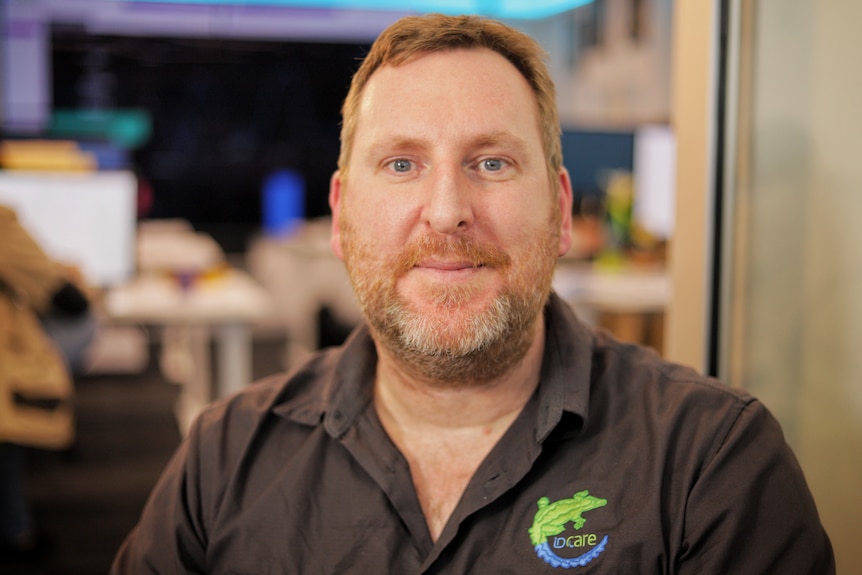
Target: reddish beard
x=455, y=344
x=440, y=248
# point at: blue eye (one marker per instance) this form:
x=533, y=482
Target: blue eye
x=492, y=164
x=401, y=166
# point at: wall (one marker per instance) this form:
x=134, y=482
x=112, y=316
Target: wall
x=693, y=96
x=605, y=77
x=624, y=80
x=803, y=263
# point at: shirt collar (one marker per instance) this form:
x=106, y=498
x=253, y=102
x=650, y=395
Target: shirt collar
x=566, y=367
x=354, y=377
x=564, y=386
x=333, y=387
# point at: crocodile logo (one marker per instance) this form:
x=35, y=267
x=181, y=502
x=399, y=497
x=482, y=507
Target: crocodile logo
x=550, y=521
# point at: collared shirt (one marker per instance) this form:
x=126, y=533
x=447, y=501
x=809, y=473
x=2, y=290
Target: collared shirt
x=620, y=463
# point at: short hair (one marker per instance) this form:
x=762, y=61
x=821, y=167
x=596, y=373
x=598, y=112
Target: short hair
x=437, y=33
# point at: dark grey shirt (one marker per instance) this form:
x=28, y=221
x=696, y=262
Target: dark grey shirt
x=621, y=463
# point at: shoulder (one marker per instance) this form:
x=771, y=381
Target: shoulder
x=295, y=398
x=10, y=226
x=626, y=369
x=281, y=411
x=306, y=386
x=632, y=388
x=613, y=385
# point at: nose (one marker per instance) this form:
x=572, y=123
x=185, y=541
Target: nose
x=449, y=208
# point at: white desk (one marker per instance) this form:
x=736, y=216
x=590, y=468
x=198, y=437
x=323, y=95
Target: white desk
x=630, y=294
x=303, y=275
x=227, y=302
x=627, y=289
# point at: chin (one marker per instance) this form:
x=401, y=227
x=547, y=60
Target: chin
x=461, y=297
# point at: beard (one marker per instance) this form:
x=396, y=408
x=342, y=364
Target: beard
x=460, y=341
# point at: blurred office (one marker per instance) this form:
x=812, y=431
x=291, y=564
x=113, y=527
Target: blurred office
x=179, y=154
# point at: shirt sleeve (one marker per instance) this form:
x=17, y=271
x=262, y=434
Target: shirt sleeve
x=169, y=538
x=750, y=510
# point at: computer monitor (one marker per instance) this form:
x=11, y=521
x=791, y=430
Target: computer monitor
x=591, y=156
x=85, y=219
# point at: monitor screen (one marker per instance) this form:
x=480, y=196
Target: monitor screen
x=86, y=219
x=225, y=113
x=591, y=155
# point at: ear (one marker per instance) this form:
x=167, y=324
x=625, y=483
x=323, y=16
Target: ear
x=335, y=208
x=565, y=205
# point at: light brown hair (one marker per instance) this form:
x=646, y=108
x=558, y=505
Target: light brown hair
x=436, y=33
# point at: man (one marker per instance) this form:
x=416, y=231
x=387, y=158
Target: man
x=473, y=426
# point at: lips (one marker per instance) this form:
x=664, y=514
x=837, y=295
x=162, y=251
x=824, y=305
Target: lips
x=448, y=266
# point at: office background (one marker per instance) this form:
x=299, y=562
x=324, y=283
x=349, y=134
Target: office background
x=231, y=94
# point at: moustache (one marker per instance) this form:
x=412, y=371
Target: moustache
x=461, y=249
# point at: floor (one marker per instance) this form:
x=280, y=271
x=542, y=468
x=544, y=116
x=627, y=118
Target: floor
x=87, y=499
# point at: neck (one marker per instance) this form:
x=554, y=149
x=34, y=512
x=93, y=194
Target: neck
x=445, y=431
x=409, y=401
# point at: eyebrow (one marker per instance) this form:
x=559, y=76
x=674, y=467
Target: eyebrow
x=409, y=143
x=388, y=145
x=500, y=137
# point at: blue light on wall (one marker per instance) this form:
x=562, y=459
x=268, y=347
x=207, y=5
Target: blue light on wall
x=515, y=9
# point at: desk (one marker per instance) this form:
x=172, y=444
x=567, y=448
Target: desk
x=228, y=303
x=629, y=295
x=303, y=275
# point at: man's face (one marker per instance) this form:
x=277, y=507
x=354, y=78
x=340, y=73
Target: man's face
x=446, y=221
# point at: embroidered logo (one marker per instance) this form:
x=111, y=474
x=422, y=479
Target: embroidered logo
x=550, y=522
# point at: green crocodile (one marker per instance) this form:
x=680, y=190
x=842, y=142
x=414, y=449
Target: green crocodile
x=551, y=518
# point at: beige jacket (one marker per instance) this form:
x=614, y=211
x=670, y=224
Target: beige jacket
x=33, y=375
x=24, y=266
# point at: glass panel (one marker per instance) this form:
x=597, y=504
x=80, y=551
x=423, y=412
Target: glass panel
x=793, y=319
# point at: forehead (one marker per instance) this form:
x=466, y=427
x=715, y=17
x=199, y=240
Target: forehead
x=438, y=91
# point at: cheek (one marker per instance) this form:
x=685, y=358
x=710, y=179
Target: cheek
x=384, y=225
x=535, y=243
x=369, y=199
x=370, y=238
x=518, y=227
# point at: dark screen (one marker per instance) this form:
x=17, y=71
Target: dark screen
x=225, y=114
x=590, y=155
